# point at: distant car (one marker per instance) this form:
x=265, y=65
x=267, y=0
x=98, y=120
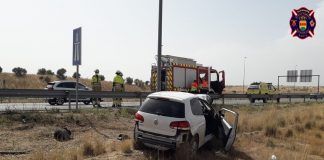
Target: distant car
x=316, y=96
x=66, y=86
x=166, y=120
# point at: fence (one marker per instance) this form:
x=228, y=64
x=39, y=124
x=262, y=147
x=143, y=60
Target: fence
x=39, y=93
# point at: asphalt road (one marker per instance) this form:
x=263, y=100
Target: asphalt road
x=46, y=106
x=258, y=102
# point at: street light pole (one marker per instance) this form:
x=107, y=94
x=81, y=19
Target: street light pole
x=159, y=46
x=296, y=78
x=243, y=76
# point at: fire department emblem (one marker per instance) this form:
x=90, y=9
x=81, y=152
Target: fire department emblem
x=302, y=23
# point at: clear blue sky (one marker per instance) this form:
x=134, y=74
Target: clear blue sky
x=122, y=34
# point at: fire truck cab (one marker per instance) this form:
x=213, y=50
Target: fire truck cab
x=178, y=73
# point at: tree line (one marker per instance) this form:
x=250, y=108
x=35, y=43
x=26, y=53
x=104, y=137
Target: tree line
x=45, y=75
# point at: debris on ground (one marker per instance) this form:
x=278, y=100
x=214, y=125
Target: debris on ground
x=62, y=134
x=122, y=137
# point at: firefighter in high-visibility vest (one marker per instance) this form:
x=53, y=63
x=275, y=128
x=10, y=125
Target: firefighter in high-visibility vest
x=203, y=86
x=118, y=86
x=194, y=87
x=96, y=86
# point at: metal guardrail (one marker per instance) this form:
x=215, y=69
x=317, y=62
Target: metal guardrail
x=56, y=93
x=40, y=93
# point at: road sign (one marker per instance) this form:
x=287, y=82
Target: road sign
x=292, y=75
x=77, y=46
x=306, y=75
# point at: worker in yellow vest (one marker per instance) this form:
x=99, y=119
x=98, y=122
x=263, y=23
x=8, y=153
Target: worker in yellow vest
x=96, y=86
x=118, y=86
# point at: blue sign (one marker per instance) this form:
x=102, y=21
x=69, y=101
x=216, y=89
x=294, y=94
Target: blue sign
x=77, y=46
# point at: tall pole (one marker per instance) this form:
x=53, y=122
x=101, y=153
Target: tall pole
x=296, y=77
x=243, y=76
x=159, y=47
x=278, y=83
x=318, y=84
x=77, y=88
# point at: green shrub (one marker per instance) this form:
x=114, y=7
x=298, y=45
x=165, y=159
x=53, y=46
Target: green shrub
x=129, y=80
x=41, y=71
x=19, y=72
x=49, y=72
x=75, y=75
x=60, y=74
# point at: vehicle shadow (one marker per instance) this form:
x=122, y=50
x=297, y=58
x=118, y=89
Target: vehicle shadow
x=236, y=154
x=205, y=153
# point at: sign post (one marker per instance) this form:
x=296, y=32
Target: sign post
x=305, y=76
x=159, y=46
x=77, y=59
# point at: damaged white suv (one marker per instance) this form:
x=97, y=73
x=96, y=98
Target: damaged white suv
x=166, y=120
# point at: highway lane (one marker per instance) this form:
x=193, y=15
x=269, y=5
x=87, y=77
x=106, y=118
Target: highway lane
x=133, y=104
x=232, y=101
x=46, y=106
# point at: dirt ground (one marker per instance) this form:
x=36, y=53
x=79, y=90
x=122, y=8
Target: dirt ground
x=95, y=132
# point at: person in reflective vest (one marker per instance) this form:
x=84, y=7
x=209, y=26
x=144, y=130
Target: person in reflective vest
x=118, y=86
x=96, y=86
x=204, y=84
x=194, y=87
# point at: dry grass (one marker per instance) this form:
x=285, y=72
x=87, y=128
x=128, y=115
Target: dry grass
x=286, y=129
x=113, y=147
x=283, y=89
x=126, y=146
x=92, y=146
x=31, y=81
x=69, y=154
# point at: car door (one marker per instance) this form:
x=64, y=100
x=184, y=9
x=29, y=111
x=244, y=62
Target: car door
x=229, y=130
x=197, y=121
x=81, y=88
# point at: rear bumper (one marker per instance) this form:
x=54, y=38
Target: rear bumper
x=154, y=140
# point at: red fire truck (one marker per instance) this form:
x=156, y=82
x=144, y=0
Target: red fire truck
x=178, y=73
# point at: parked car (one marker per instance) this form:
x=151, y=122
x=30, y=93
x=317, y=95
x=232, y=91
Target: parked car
x=66, y=86
x=166, y=120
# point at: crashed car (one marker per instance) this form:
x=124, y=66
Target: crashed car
x=166, y=120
